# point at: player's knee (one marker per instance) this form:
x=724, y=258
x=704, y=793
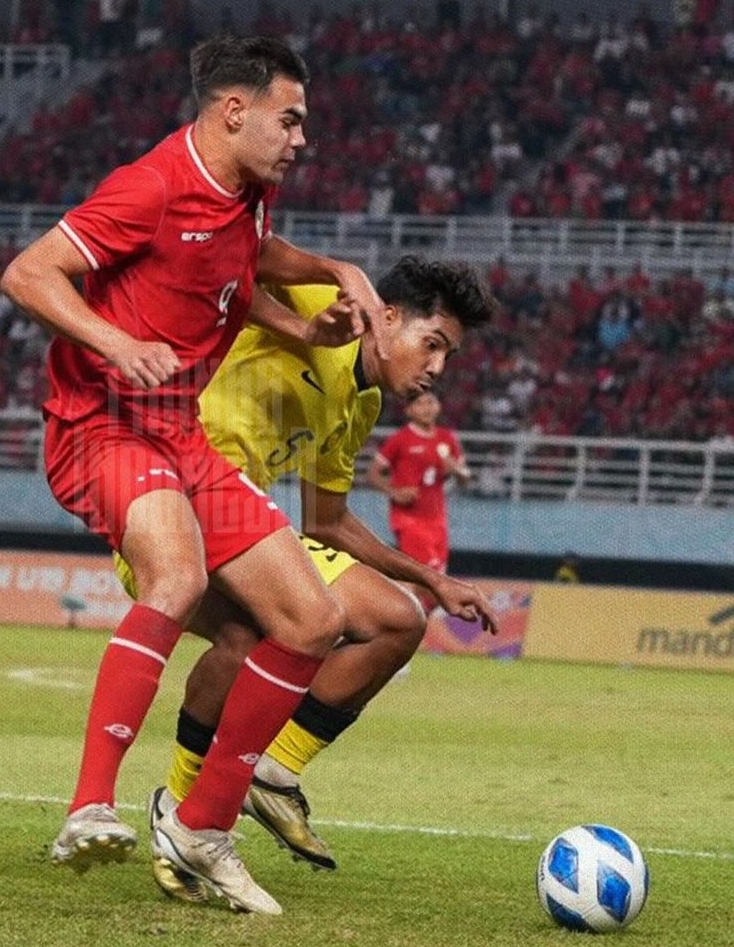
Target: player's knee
x=175, y=592
x=232, y=645
x=397, y=623
x=321, y=627
x=192, y=586
x=407, y=624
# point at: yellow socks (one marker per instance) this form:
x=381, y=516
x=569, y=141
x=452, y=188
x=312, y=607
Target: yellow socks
x=184, y=769
x=314, y=726
x=294, y=747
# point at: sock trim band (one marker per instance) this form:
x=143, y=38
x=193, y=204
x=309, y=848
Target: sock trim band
x=134, y=646
x=192, y=736
x=323, y=721
x=286, y=685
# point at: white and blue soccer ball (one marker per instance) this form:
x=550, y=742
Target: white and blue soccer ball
x=592, y=878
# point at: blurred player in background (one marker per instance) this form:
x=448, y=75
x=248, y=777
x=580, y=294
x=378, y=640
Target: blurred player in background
x=569, y=569
x=168, y=248
x=411, y=468
x=274, y=409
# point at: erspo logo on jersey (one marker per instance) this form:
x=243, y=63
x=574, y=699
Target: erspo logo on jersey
x=196, y=236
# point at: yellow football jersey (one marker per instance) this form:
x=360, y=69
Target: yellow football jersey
x=276, y=407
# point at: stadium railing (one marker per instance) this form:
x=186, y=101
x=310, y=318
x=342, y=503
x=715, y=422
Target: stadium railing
x=21, y=439
x=551, y=247
x=28, y=221
x=528, y=466
x=522, y=466
x=541, y=244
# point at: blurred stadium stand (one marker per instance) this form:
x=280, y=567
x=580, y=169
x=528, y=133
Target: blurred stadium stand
x=551, y=248
x=520, y=467
x=30, y=74
x=549, y=408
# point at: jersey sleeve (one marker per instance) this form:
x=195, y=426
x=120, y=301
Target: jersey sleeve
x=334, y=473
x=120, y=218
x=307, y=300
x=334, y=466
x=389, y=449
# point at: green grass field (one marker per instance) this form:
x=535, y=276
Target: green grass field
x=437, y=806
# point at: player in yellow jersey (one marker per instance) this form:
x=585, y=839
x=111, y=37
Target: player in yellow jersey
x=276, y=408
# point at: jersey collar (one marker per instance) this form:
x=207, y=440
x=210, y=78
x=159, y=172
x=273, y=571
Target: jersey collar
x=196, y=158
x=359, y=375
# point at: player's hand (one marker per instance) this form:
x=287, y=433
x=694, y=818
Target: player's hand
x=452, y=466
x=341, y=323
x=357, y=287
x=403, y=496
x=464, y=600
x=145, y=364
x=455, y=468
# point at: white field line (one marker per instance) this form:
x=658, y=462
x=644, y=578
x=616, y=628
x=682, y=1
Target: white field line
x=435, y=831
x=44, y=677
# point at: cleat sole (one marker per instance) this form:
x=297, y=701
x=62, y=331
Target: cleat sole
x=96, y=850
x=177, y=862
x=295, y=854
x=178, y=884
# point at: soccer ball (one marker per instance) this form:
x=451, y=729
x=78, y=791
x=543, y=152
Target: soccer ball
x=592, y=878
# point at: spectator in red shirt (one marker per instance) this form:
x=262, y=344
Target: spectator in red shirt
x=583, y=296
x=499, y=277
x=638, y=282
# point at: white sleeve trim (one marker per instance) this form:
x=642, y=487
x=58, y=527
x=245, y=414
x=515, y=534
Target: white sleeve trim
x=80, y=245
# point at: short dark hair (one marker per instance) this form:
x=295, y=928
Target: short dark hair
x=424, y=287
x=251, y=61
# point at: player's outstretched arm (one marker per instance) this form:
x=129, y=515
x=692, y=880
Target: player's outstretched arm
x=281, y=262
x=40, y=281
x=462, y=599
x=326, y=517
x=337, y=325
x=378, y=477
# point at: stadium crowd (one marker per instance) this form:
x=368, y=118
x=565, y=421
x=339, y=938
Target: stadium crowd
x=428, y=115
x=616, y=119
x=623, y=355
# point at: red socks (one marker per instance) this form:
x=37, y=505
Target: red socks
x=127, y=681
x=268, y=688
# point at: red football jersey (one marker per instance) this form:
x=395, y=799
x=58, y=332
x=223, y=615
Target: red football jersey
x=173, y=257
x=414, y=458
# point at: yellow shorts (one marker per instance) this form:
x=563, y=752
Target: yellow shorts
x=330, y=563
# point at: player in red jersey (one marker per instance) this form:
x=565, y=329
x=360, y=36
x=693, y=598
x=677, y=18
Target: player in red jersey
x=411, y=468
x=168, y=248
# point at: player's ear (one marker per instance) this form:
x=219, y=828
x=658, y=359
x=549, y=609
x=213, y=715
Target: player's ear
x=234, y=108
x=391, y=314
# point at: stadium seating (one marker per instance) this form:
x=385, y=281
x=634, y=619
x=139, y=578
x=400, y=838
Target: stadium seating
x=590, y=177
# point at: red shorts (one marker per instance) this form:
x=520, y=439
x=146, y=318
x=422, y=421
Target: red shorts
x=426, y=542
x=97, y=466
